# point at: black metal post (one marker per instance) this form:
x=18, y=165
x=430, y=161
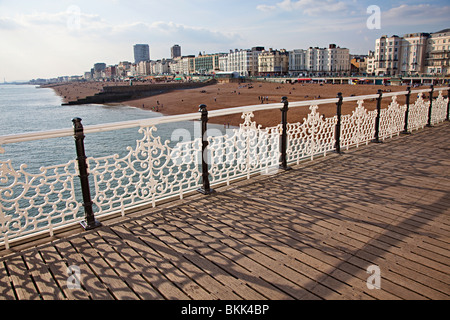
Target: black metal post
x=283, y=145
x=89, y=220
x=205, y=189
x=408, y=98
x=431, y=106
x=377, y=120
x=338, y=124
x=448, y=105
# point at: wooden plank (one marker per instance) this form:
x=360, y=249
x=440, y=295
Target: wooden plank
x=351, y=226
x=148, y=260
x=6, y=288
x=271, y=259
x=290, y=249
x=311, y=250
x=243, y=273
x=198, y=239
x=58, y=266
x=302, y=234
x=205, y=279
x=89, y=279
x=43, y=279
x=132, y=277
x=21, y=279
x=106, y=273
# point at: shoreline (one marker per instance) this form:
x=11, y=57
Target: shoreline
x=228, y=95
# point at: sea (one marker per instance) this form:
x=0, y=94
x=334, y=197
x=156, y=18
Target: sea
x=30, y=187
x=29, y=108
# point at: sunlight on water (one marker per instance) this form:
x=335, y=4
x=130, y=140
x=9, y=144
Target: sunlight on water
x=39, y=178
x=26, y=108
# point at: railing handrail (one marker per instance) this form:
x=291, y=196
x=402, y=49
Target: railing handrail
x=275, y=147
x=58, y=133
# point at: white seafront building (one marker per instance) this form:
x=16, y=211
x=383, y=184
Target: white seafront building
x=319, y=61
x=243, y=61
x=413, y=54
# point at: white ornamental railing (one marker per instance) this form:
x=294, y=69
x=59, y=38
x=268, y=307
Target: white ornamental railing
x=87, y=188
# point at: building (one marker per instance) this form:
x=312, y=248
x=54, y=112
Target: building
x=179, y=65
x=370, y=66
x=358, y=64
x=161, y=67
x=141, y=53
x=414, y=50
x=413, y=54
x=206, y=63
x=273, y=62
x=87, y=75
x=244, y=62
x=110, y=72
x=175, y=51
x=338, y=60
x=176, y=65
x=186, y=65
x=122, y=69
x=388, y=55
x=297, y=62
x=331, y=61
x=98, y=70
x=143, y=68
x=438, y=53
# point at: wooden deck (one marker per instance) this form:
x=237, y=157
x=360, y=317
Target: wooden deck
x=308, y=233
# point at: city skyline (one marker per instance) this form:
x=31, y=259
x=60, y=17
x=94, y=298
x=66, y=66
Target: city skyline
x=53, y=38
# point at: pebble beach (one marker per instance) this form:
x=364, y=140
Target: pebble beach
x=228, y=95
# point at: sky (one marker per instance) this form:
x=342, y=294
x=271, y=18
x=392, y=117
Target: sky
x=47, y=38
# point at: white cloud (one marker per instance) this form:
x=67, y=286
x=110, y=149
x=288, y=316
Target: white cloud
x=265, y=8
x=70, y=42
x=415, y=15
x=309, y=7
x=90, y=26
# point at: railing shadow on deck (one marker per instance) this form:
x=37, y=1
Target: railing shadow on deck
x=153, y=171
x=251, y=245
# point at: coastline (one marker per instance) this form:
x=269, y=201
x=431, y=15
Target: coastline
x=228, y=95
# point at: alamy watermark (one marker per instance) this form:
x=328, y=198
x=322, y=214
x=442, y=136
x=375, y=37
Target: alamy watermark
x=374, y=280
x=252, y=148
x=74, y=279
x=374, y=20
x=73, y=18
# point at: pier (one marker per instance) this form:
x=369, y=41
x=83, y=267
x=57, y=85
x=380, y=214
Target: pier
x=370, y=220
x=307, y=233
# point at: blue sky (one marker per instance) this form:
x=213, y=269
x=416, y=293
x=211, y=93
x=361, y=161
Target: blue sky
x=53, y=38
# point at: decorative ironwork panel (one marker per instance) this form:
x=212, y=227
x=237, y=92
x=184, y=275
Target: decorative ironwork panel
x=418, y=114
x=316, y=135
x=31, y=203
x=149, y=172
x=439, y=109
x=244, y=151
x=392, y=119
x=359, y=127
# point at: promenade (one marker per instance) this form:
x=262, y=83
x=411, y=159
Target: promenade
x=307, y=233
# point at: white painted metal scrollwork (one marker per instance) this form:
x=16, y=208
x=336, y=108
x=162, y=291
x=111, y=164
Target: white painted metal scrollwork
x=439, y=109
x=244, y=151
x=316, y=135
x=359, y=127
x=149, y=172
x=392, y=119
x=31, y=203
x=418, y=114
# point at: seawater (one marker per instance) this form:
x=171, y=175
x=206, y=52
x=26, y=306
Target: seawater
x=27, y=108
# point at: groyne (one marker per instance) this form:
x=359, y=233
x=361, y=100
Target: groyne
x=111, y=94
